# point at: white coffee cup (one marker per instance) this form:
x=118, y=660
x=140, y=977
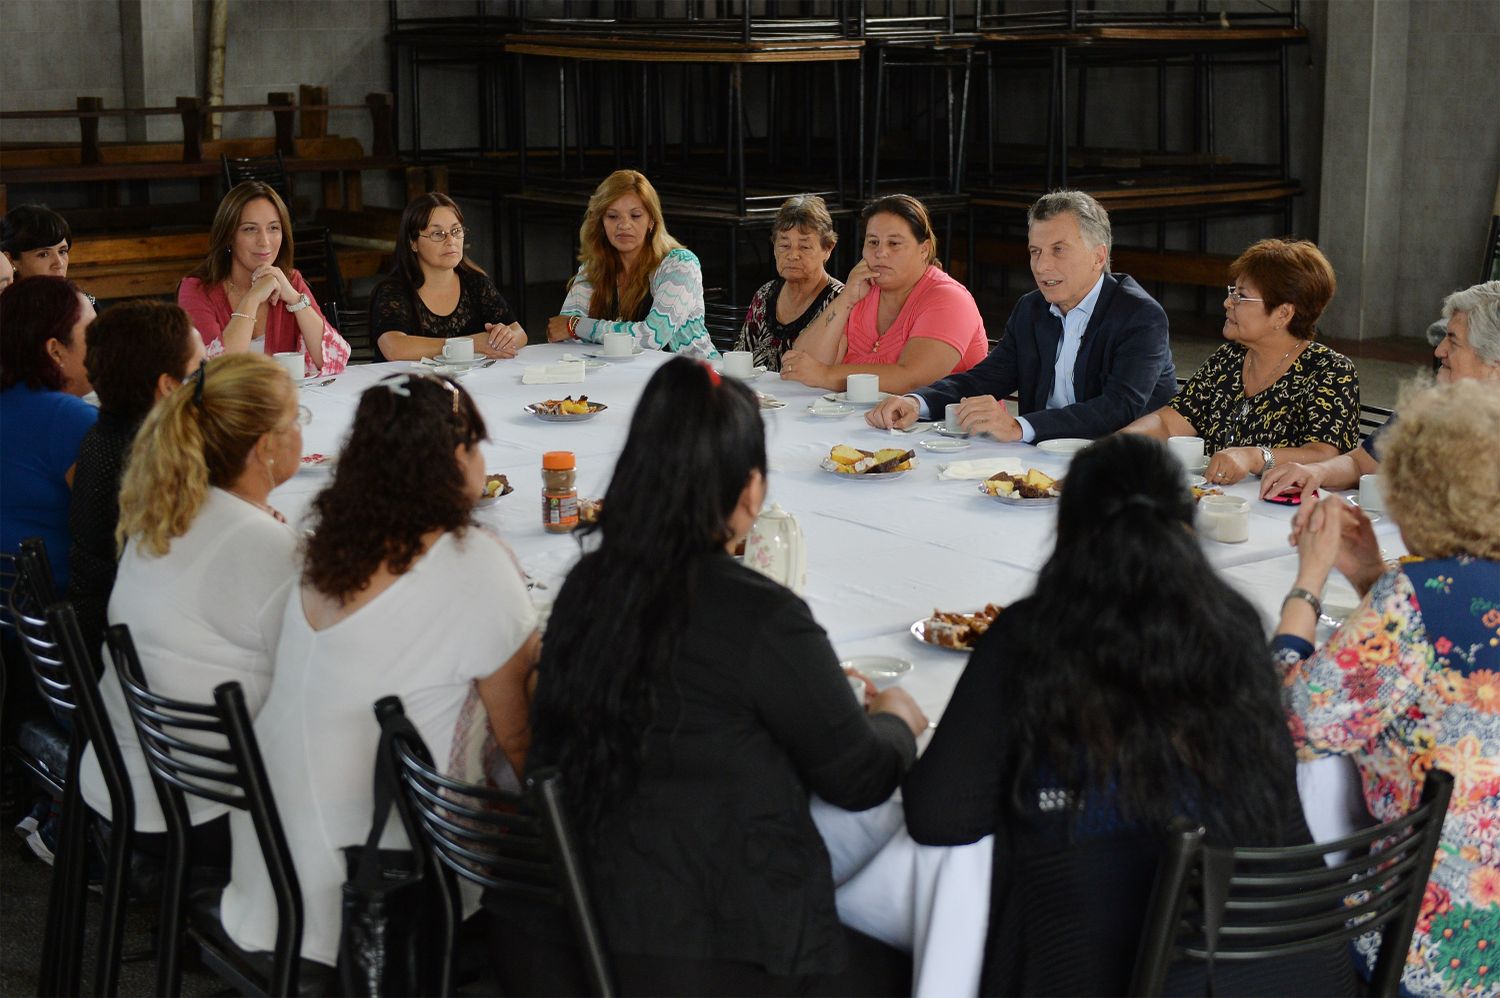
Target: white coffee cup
x=863, y=387
x=292, y=363
x=1371, y=494
x=618, y=344
x=1188, y=450
x=1224, y=518
x=458, y=348
x=857, y=687
x=739, y=363
x=950, y=418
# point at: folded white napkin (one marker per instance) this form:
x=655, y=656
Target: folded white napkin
x=981, y=468
x=567, y=373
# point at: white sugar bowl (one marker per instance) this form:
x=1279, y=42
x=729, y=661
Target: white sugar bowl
x=775, y=548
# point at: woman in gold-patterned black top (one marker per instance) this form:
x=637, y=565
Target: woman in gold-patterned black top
x=1270, y=395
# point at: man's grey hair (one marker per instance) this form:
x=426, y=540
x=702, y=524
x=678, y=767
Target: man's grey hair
x=1093, y=220
x=1481, y=303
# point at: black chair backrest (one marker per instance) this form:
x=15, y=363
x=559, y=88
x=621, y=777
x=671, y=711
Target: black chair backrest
x=354, y=326
x=1269, y=904
x=519, y=846
x=7, y=583
x=318, y=261
x=724, y=322
x=1372, y=418
x=178, y=739
x=30, y=597
x=267, y=169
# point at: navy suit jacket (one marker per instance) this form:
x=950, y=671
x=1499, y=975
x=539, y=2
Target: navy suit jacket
x=1124, y=367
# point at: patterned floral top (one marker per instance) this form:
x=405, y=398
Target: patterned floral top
x=1411, y=682
x=766, y=336
x=1315, y=401
x=675, y=321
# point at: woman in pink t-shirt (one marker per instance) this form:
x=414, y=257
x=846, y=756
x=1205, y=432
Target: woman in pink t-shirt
x=899, y=317
x=245, y=295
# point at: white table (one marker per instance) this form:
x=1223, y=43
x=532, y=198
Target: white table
x=881, y=554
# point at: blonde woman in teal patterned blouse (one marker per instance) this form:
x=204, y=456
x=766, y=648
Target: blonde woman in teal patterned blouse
x=1271, y=394
x=1411, y=681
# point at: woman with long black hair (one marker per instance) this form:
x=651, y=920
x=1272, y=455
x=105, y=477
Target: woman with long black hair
x=1130, y=689
x=692, y=706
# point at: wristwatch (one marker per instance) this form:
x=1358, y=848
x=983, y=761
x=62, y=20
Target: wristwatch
x=299, y=304
x=1265, y=452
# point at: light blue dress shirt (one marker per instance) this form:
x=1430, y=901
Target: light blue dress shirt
x=1074, y=323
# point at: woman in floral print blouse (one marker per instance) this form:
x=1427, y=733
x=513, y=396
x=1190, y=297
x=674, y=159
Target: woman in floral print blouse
x=1411, y=681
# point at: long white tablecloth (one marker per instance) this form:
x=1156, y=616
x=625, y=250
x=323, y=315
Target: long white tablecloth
x=881, y=555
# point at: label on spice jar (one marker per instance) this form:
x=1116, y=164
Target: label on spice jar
x=559, y=511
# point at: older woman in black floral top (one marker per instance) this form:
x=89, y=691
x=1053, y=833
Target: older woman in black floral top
x=803, y=239
x=1270, y=395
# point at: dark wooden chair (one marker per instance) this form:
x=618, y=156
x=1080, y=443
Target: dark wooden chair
x=518, y=846
x=174, y=737
x=1236, y=906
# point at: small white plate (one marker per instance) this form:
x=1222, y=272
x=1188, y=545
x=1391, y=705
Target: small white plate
x=919, y=631
x=441, y=361
x=955, y=434
x=491, y=500
x=1064, y=445
x=945, y=446
x=830, y=410
x=883, y=476
x=1015, y=500
x=755, y=373
x=844, y=398
x=609, y=358
x=882, y=670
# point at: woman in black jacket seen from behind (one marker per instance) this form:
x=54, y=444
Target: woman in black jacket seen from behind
x=692, y=706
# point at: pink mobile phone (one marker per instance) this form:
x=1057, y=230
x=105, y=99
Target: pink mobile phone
x=1286, y=499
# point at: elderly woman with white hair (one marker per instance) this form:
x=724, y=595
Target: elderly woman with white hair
x=1470, y=349
x=1411, y=681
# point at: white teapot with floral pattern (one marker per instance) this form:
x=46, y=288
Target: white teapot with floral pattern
x=775, y=548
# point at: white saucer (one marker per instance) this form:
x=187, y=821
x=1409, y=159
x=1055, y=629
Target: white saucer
x=441, y=360
x=609, y=358
x=844, y=398
x=956, y=434
x=945, y=446
x=882, y=670
x=1064, y=445
x=838, y=411
x=757, y=372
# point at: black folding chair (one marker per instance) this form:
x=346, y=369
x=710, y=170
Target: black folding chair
x=64, y=675
x=176, y=737
x=724, y=322
x=267, y=169
x=318, y=261
x=1372, y=418
x=519, y=846
x=354, y=326
x=1226, y=906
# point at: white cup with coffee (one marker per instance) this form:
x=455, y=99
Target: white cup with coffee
x=739, y=363
x=863, y=388
x=292, y=363
x=1225, y=519
x=1188, y=450
x=618, y=344
x=1371, y=494
x=458, y=348
x=950, y=418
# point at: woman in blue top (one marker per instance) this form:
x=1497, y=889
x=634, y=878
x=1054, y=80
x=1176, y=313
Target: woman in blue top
x=633, y=277
x=42, y=413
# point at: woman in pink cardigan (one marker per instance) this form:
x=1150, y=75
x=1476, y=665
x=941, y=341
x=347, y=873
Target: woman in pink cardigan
x=246, y=296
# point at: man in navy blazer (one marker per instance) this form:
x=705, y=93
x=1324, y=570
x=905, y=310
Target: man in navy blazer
x=1087, y=351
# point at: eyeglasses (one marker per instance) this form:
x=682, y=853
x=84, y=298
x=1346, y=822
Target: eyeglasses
x=1235, y=297
x=439, y=236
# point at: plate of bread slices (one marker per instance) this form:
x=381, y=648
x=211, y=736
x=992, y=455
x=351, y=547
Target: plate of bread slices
x=1034, y=488
x=955, y=631
x=852, y=462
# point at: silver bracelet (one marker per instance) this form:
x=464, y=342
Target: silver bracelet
x=1297, y=592
x=241, y=315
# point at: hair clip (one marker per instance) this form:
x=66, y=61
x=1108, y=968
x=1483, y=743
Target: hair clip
x=713, y=375
x=199, y=376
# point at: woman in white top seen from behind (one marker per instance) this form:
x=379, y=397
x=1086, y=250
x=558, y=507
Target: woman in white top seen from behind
x=206, y=563
x=401, y=594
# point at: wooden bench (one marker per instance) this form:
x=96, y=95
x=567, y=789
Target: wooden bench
x=152, y=265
